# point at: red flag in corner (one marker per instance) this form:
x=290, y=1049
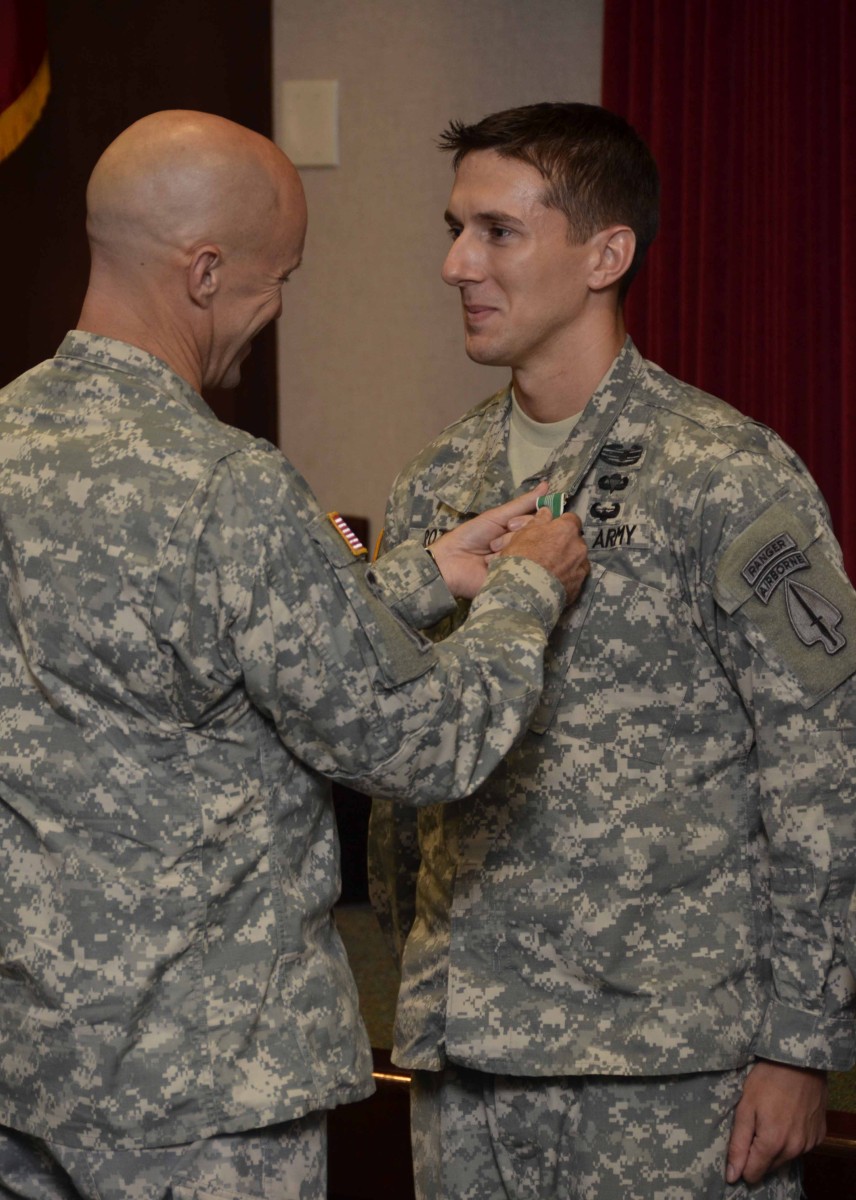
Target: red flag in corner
x=24, y=73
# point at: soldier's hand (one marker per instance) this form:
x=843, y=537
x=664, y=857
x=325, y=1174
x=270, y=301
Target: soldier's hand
x=781, y=1114
x=557, y=544
x=463, y=554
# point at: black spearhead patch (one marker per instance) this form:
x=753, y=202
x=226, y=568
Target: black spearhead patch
x=814, y=618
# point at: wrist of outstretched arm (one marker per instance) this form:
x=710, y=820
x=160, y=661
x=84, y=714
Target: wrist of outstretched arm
x=519, y=583
x=409, y=582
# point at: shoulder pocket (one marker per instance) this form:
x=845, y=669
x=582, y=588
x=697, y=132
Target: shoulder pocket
x=401, y=653
x=793, y=603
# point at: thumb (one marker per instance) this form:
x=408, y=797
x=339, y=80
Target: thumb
x=520, y=505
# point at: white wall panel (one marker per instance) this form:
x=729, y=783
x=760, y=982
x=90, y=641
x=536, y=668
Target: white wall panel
x=371, y=360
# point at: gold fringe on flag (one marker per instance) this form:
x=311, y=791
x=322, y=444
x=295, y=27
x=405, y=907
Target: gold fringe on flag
x=18, y=119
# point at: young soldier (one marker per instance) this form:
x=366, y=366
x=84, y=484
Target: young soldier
x=622, y=971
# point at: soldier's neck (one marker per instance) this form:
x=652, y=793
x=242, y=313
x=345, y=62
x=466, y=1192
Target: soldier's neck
x=555, y=386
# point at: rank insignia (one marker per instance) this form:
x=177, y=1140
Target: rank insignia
x=347, y=534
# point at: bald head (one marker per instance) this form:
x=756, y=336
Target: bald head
x=175, y=206
x=177, y=177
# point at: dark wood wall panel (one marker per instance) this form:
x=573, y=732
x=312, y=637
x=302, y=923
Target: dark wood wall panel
x=112, y=63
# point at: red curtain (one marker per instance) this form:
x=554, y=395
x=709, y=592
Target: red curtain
x=750, y=289
x=24, y=73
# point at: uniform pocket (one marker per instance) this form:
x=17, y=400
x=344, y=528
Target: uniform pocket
x=401, y=653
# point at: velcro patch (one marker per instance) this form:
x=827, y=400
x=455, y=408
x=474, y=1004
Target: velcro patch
x=347, y=534
x=779, y=582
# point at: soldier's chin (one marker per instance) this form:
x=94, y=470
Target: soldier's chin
x=228, y=382
x=232, y=375
x=487, y=356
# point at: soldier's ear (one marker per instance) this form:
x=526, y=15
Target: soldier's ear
x=203, y=274
x=615, y=248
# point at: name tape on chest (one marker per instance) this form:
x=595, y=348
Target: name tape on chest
x=603, y=529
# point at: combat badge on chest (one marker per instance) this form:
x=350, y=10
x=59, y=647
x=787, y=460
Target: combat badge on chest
x=617, y=468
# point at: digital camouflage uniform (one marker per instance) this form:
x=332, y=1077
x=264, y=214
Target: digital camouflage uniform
x=280, y=1162
x=187, y=644
x=851, y=936
x=655, y=881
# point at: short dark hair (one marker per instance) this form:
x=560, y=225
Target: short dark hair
x=597, y=169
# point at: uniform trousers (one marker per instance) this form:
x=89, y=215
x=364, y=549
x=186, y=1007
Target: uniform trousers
x=283, y=1162
x=479, y=1136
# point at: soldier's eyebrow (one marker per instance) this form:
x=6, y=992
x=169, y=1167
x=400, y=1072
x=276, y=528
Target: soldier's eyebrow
x=488, y=217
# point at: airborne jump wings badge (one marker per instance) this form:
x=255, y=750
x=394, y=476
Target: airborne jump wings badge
x=814, y=618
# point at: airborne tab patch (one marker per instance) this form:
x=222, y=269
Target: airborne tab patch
x=773, y=563
x=760, y=561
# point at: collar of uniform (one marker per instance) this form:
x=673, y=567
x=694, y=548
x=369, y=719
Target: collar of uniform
x=110, y=355
x=571, y=462
x=486, y=427
x=474, y=491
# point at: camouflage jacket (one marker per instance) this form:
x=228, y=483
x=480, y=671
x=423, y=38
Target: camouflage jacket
x=187, y=644
x=656, y=879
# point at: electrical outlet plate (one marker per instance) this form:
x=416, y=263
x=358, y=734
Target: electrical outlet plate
x=309, y=125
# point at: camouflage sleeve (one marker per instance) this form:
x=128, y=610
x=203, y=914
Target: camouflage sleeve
x=408, y=581
x=393, y=868
x=272, y=595
x=850, y=937
x=393, y=841
x=781, y=615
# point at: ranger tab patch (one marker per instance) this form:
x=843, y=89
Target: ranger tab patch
x=774, y=562
x=347, y=534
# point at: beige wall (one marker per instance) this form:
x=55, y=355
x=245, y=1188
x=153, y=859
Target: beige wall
x=371, y=364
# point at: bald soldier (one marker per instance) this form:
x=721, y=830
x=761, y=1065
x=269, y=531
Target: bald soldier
x=188, y=645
